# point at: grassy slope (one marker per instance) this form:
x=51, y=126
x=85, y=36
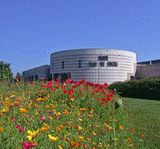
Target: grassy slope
x=145, y=121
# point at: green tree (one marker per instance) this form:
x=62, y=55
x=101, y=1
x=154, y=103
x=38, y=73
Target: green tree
x=19, y=76
x=5, y=72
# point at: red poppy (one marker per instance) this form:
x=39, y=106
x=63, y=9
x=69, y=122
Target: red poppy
x=105, y=84
x=103, y=103
x=82, y=81
x=92, y=93
x=80, y=94
x=108, y=99
x=69, y=93
x=113, y=92
x=16, y=79
x=103, y=99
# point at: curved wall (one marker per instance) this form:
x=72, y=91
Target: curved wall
x=122, y=66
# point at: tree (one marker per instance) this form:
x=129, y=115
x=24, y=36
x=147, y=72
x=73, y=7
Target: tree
x=19, y=76
x=5, y=72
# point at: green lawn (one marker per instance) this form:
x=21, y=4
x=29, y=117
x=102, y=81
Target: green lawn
x=145, y=121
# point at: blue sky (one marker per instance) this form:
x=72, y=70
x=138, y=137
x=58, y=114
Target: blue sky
x=30, y=30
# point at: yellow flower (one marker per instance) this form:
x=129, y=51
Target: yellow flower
x=72, y=99
x=79, y=128
x=61, y=126
x=4, y=110
x=23, y=110
x=59, y=147
x=43, y=129
x=88, y=139
x=53, y=138
x=81, y=138
x=115, y=139
x=121, y=127
x=29, y=138
x=33, y=134
x=79, y=119
x=46, y=125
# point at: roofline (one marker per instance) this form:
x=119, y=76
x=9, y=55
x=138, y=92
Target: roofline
x=36, y=67
x=91, y=49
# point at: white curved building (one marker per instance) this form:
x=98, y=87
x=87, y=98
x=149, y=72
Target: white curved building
x=94, y=65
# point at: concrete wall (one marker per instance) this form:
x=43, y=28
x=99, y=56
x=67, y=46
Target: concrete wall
x=42, y=71
x=108, y=74
x=151, y=70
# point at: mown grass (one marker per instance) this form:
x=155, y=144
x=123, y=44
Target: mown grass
x=145, y=121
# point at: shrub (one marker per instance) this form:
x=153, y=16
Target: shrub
x=144, y=88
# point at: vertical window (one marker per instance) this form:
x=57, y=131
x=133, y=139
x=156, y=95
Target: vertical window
x=52, y=65
x=80, y=63
x=36, y=77
x=62, y=64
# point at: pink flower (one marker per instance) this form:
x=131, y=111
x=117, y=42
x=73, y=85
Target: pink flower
x=16, y=104
x=84, y=146
x=42, y=119
x=20, y=128
x=79, y=132
x=27, y=145
x=106, y=130
x=14, y=119
x=102, y=133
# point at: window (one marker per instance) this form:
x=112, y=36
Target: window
x=101, y=64
x=36, y=77
x=62, y=64
x=103, y=58
x=52, y=65
x=93, y=64
x=80, y=63
x=114, y=64
x=32, y=78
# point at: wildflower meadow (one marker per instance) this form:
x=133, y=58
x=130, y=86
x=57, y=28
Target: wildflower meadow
x=51, y=115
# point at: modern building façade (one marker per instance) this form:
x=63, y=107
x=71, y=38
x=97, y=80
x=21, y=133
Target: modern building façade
x=94, y=65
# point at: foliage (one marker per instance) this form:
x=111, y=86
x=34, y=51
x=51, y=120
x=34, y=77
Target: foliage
x=5, y=72
x=148, y=88
x=19, y=76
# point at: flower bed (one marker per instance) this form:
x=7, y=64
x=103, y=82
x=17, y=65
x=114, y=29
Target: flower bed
x=54, y=115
